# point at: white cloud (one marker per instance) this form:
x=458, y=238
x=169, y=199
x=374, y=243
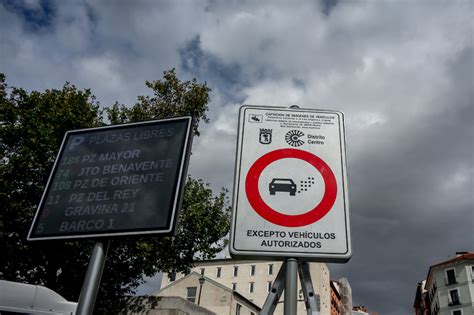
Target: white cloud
x=365, y=120
x=458, y=184
x=273, y=92
x=101, y=72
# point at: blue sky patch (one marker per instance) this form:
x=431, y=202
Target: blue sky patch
x=328, y=5
x=205, y=66
x=36, y=18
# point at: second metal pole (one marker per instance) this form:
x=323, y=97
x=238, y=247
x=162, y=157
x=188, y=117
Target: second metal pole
x=85, y=306
x=291, y=290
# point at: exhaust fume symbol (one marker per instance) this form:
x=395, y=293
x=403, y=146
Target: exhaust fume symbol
x=304, y=185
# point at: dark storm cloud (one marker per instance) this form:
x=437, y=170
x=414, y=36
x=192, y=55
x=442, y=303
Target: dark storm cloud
x=412, y=197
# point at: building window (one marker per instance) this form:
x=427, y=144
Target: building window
x=269, y=286
x=202, y=271
x=456, y=312
x=252, y=270
x=218, y=272
x=191, y=294
x=454, y=297
x=237, y=309
x=450, y=276
x=234, y=286
x=251, y=287
x=236, y=271
x=270, y=269
x=172, y=276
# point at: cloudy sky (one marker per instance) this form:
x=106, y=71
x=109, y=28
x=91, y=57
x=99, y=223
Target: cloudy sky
x=401, y=71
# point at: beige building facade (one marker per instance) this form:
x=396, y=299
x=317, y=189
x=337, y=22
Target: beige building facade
x=450, y=286
x=162, y=305
x=254, y=279
x=209, y=294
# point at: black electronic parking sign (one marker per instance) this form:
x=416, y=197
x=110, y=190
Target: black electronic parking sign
x=116, y=180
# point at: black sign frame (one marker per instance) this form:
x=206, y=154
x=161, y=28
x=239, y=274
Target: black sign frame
x=182, y=161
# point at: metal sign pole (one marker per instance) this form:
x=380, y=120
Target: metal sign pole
x=275, y=293
x=291, y=291
x=85, y=306
x=311, y=300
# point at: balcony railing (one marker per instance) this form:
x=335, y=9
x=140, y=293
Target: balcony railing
x=455, y=302
x=450, y=281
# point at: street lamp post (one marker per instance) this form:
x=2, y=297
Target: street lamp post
x=201, y=282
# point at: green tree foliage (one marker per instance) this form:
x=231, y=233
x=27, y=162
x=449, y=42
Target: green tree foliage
x=32, y=125
x=171, y=98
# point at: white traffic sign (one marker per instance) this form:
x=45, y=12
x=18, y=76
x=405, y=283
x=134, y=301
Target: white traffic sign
x=290, y=191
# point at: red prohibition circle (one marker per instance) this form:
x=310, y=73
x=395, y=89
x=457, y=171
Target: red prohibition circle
x=266, y=212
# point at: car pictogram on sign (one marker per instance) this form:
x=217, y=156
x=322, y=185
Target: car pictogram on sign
x=282, y=184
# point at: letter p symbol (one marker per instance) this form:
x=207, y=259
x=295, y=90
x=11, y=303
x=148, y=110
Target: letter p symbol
x=77, y=140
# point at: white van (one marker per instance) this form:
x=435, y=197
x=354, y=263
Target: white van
x=20, y=298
